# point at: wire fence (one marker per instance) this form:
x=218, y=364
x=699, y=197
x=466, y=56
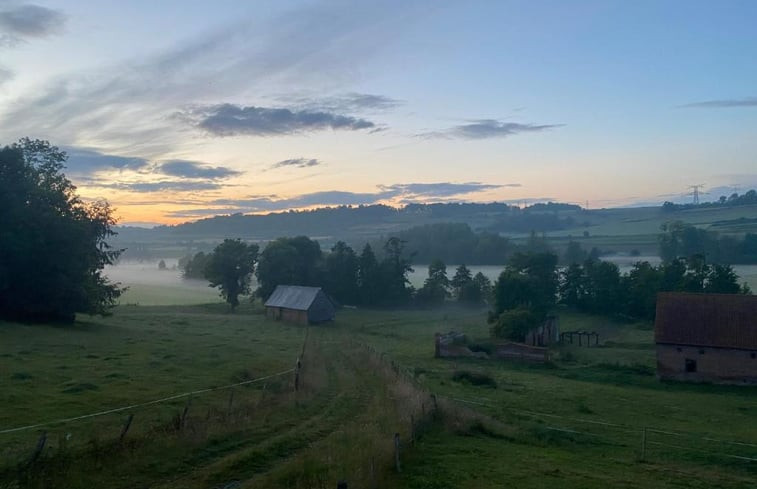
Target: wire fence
x=227, y=404
x=644, y=442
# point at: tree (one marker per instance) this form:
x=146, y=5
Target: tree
x=642, y=284
x=369, y=277
x=539, y=270
x=435, y=288
x=572, y=285
x=53, y=245
x=721, y=279
x=483, y=286
x=342, y=273
x=514, y=324
x=230, y=268
x=162, y=265
x=574, y=253
x=396, y=287
x=289, y=261
x=461, y=279
x=195, y=266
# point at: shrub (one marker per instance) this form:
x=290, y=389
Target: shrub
x=474, y=378
x=514, y=324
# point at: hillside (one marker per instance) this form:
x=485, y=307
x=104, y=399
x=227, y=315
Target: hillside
x=620, y=230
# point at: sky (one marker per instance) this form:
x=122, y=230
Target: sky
x=180, y=110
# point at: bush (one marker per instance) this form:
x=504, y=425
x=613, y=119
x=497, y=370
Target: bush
x=514, y=324
x=474, y=378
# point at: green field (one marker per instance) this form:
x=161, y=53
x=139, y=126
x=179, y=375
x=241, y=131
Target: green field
x=577, y=422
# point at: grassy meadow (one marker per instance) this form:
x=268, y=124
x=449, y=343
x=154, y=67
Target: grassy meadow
x=577, y=422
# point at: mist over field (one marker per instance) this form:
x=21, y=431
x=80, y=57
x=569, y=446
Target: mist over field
x=148, y=285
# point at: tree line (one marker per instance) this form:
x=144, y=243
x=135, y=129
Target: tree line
x=531, y=286
x=747, y=198
x=368, y=278
x=682, y=239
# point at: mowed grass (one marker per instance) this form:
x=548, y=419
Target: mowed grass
x=159, y=295
x=577, y=422
x=137, y=355
x=339, y=424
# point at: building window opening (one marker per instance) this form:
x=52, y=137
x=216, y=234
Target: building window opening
x=691, y=365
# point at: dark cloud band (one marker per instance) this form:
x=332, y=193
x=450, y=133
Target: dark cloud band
x=487, y=128
x=191, y=169
x=723, y=103
x=24, y=22
x=232, y=120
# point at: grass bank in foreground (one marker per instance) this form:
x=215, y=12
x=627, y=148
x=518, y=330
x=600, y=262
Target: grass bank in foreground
x=577, y=422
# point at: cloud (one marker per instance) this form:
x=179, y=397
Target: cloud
x=5, y=75
x=349, y=102
x=192, y=169
x=23, y=22
x=724, y=103
x=487, y=128
x=444, y=189
x=128, y=104
x=160, y=186
x=232, y=120
x=406, y=192
x=82, y=161
x=296, y=163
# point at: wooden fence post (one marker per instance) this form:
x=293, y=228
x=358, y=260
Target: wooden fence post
x=183, y=423
x=643, y=443
x=373, y=472
x=231, y=401
x=38, y=449
x=297, y=374
x=126, y=427
x=397, y=452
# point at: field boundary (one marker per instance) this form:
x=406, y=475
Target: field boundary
x=143, y=404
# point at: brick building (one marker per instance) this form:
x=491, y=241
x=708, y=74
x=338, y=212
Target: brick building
x=707, y=337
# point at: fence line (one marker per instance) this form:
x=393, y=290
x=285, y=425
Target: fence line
x=628, y=428
x=143, y=404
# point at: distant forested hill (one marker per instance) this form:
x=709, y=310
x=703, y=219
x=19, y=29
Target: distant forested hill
x=621, y=230
x=353, y=224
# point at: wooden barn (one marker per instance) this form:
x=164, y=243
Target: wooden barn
x=298, y=304
x=707, y=337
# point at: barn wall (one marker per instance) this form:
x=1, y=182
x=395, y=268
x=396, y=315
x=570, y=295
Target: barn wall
x=719, y=365
x=294, y=316
x=321, y=309
x=289, y=315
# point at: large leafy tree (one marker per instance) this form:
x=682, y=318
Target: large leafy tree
x=230, y=268
x=53, y=244
x=342, y=273
x=289, y=261
x=524, y=293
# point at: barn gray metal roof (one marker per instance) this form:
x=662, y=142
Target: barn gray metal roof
x=295, y=297
x=717, y=320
